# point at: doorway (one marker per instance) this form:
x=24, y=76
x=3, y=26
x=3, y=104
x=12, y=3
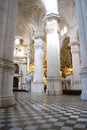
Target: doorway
x=15, y=84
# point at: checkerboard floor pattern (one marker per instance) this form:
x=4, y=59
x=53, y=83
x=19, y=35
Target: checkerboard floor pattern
x=42, y=112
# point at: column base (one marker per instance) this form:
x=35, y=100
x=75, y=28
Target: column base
x=37, y=87
x=54, y=86
x=7, y=101
x=29, y=86
x=84, y=83
x=76, y=86
x=84, y=96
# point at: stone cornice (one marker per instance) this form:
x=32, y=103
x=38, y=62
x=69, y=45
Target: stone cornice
x=52, y=23
x=51, y=17
x=39, y=35
x=6, y=64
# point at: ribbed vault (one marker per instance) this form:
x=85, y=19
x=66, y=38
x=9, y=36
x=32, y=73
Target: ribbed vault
x=31, y=13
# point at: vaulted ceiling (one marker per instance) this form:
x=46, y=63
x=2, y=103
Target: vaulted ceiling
x=31, y=13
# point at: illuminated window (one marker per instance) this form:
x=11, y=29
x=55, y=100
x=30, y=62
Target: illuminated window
x=64, y=31
x=17, y=41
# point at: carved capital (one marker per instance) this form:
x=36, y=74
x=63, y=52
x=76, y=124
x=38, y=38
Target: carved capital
x=52, y=23
x=39, y=35
x=39, y=40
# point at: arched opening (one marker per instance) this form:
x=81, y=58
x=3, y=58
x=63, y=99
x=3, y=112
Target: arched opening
x=16, y=68
x=66, y=65
x=66, y=58
x=15, y=84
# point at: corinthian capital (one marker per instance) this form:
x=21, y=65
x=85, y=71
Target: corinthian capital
x=39, y=38
x=52, y=22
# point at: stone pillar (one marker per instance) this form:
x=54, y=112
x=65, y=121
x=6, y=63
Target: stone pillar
x=28, y=58
x=76, y=83
x=23, y=76
x=8, y=12
x=19, y=83
x=29, y=79
x=81, y=7
x=53, y=55
x=38, y=84
x=28, y=83
x=53, y=49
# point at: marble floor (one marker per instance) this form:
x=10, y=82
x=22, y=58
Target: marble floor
x=42, y=112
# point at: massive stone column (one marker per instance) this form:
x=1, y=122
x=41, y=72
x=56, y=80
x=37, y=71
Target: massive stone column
x=38, y=84
x=81, y=7
x=53, y=49
x=76, y=84
x=53, y=55
x=8, y=12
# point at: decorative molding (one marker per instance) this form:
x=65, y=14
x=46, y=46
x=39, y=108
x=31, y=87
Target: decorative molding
x=53, y=78
x=39, y=40
x=52, y=22
x=6, y=64
x=51, y=17
x=39, y=35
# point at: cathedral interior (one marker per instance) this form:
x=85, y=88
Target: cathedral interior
x=43, y=64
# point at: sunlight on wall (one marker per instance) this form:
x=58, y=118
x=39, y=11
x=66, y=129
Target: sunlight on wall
x=64, y=31
x=51, y=6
